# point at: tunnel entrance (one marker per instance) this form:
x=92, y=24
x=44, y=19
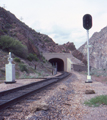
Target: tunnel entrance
x=57, y=62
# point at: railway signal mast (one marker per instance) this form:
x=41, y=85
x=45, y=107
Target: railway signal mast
x=87, y=24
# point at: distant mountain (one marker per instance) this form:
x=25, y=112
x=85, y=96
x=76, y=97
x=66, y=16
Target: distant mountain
x=98, y=51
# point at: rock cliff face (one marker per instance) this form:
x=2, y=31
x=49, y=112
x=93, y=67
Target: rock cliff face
x=98, y=51
x=79, y=56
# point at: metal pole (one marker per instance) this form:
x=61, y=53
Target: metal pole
x=88, y=65
x=88, y=60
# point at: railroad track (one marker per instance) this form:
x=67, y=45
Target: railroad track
x=12, y=96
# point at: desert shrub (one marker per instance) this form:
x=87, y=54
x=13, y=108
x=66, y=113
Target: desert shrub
x=16, y=59
x=6, y=31
x=97, y=101
x=46, y=40
x=13, y=45
x=43, y=59
x=8, y=25
x=1, y=30
x=35, y=57
x=23, y=67
x=98, y=72
x=31, y=57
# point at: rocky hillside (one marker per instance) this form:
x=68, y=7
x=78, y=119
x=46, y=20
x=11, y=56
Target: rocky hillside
x=10, y=25
x=35, y=42
x=25, y=68
x=98, y=51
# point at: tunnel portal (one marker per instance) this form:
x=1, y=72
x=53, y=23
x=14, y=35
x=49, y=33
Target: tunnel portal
x=57, y=62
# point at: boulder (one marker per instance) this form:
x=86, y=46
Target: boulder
x=89, y=92
x=38, y=105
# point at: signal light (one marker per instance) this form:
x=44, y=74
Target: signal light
x=87, y=21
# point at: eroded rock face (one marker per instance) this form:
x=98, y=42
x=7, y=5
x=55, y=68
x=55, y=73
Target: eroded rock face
x=79, y=56
x=98, y=51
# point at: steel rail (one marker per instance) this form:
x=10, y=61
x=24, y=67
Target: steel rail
x=12, y=96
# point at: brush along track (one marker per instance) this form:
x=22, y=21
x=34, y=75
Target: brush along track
x=9, y=97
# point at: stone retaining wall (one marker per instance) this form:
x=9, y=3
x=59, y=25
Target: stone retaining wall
x=79, y=68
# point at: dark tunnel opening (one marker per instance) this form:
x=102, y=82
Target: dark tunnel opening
x=58, y=62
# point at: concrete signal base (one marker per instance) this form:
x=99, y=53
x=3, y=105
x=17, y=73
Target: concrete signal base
x=10, y=73
x=88, y=79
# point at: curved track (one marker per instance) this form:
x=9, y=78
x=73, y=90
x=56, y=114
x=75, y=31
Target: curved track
x=9, y=97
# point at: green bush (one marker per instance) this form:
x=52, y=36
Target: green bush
x=102, y=99
x=10, y=44
x=32, y=57
x=35, y=57
x=29, y=58
x=23, y=67
x=43, y=59
x=16, y=59
x=46, y=40
x=1, y=30
x=8, y=25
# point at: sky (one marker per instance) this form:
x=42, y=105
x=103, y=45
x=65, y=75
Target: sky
x=62, y=20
